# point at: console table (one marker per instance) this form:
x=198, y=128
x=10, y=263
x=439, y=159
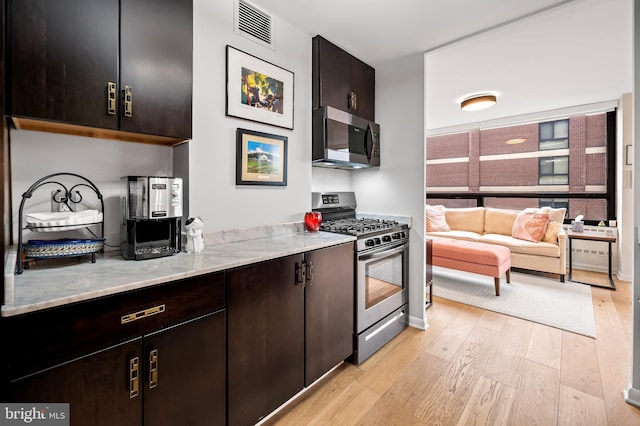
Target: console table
x=605, y=237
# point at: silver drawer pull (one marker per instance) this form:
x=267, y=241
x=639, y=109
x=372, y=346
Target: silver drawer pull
x=142, y=314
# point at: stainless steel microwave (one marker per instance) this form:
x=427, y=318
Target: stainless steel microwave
x=345, y=141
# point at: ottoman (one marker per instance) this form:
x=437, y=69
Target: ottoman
x=469, y=256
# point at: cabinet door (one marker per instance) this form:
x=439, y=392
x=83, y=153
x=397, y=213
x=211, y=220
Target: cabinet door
x=329, y=305
x=265, y=309
x=62, y=54
x=363, y=84
x=185, y=369
x=156, y=49
x=333, y=74
x=336, y=74
x=96, y=387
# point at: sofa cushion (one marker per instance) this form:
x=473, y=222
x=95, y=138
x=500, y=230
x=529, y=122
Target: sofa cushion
x=551, y=234
x=557, y=215
x=522, y=246
x=435, y=220
x=530, y=226
x=466, y=219
x=499, y=221
x=458, y=235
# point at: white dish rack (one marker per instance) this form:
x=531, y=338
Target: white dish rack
x=61, y=221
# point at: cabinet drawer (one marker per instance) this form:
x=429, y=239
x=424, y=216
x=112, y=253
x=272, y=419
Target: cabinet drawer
x=44, y=338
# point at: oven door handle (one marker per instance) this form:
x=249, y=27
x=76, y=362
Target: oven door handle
x=395, y=249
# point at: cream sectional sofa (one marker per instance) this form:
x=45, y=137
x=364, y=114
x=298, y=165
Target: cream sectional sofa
x=495, y=226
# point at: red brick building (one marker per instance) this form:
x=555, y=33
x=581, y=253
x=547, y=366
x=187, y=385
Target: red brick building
x=565, y=156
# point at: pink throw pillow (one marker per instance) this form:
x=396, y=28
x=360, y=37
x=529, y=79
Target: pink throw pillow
x=436, y=221
x=530, y=226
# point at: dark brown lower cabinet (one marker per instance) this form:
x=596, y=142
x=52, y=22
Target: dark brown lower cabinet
x=329, y=304
x=286, y=328
x=265, y=308
x=95, y=386
x=170, y=377
x=191, y=363
x=287, y=322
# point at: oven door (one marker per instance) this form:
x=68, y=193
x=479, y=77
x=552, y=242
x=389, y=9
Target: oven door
x=381, y=287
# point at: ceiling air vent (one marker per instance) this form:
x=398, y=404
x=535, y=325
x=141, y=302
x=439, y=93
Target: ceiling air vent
x=254, y=24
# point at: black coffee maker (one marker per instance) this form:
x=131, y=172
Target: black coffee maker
x=152, y=217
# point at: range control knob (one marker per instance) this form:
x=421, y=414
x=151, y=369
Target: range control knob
x=386, y=238
x=377, y=240
x=395, y=236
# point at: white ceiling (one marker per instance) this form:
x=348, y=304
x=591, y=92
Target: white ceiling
x=535, y=55
x=377, y=31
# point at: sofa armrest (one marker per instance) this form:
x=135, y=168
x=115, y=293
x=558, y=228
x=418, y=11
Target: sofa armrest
x=562, y=245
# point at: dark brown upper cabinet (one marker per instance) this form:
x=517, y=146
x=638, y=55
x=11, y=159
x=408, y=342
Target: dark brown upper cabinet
x=342, y=81
x=106, y=68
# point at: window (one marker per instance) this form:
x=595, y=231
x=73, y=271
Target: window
x=553, y=170
x=554, y=135
x=555, y=203
x=568, y=162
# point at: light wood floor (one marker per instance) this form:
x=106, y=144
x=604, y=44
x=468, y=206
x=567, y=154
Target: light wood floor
x=478, y=367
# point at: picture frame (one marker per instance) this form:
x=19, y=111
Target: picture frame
x=258, y=90
x=261, y=158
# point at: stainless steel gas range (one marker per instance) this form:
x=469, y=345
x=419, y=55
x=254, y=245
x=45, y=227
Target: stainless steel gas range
x=381, y=261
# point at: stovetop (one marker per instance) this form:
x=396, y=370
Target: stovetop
x=360, y=227
x=339, y=216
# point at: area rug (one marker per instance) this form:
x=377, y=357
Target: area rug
x=567, y=305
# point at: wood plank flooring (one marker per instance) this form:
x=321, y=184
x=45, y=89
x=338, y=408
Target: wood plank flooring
x=476, y=367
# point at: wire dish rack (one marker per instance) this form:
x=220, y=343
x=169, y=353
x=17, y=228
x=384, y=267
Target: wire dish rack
x=61, y=221
x=64, y=247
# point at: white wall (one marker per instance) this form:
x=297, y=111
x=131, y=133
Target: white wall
x=632, y=394
x=397, y=186
x=38, y=154
x=331, y=180
x=625, y=189
x=214, y=195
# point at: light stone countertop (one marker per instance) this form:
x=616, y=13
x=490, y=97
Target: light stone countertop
x=62, y=281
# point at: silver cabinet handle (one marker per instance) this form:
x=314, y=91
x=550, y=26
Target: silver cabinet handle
x=310, y=273
x=301, y=274
x=352, y=101
x=128, y=101
x=134, y=377
x=153, y=368
x=111, y=98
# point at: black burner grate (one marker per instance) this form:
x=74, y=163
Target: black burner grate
x=357, y=227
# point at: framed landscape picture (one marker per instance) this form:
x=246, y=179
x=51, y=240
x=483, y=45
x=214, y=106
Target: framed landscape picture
x=258, y=90
x=261, y=158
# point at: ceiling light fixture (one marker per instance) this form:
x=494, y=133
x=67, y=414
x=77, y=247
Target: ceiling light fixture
x=478, y=102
